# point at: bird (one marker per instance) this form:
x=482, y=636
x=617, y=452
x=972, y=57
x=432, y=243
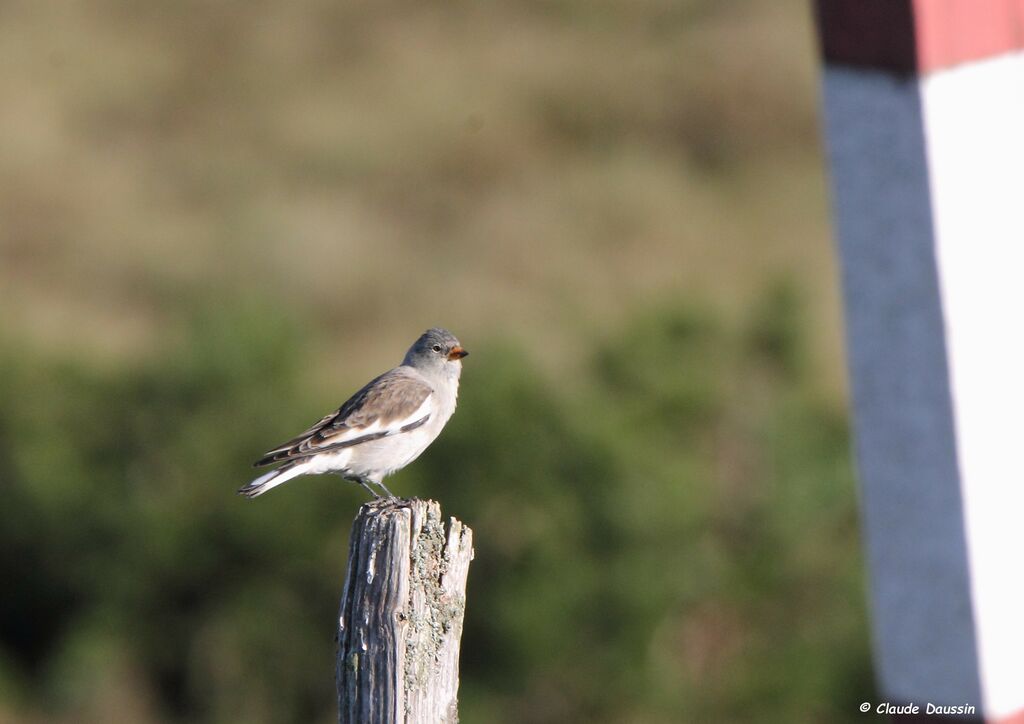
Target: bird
x=380, y=429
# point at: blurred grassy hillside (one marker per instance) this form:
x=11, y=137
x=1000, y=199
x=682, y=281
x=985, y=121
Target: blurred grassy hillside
x=217, y=219
x=379, y=167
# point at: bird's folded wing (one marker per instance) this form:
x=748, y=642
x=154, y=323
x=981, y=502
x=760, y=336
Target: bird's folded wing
x=398, y=401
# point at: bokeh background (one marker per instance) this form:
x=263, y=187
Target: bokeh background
x=217, y=219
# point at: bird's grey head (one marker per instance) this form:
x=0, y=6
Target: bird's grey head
x=437, y=350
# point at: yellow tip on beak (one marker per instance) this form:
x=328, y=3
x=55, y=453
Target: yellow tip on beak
x=457, y=353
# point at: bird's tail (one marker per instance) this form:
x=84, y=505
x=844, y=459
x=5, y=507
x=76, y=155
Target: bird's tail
x=272, y=479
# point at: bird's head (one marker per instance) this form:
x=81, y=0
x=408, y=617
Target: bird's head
x=436, y=350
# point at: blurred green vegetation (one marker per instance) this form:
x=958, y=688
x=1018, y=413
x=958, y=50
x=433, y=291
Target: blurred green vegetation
x=669, y=537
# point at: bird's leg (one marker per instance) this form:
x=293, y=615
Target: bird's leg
x=365, y=482
x=380, y=484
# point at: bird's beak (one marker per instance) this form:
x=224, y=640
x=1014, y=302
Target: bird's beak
x=457, y=353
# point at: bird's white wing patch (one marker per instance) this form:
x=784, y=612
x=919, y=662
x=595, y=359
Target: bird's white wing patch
x=419, y=414
x=353, y=436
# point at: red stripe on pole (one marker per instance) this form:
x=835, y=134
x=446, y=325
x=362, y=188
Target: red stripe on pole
x=918, y=35
x=950, y=32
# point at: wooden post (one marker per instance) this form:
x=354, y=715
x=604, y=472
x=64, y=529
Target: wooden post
x=401, y=615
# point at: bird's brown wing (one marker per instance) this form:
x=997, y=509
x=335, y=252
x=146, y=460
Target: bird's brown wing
x=390, y=404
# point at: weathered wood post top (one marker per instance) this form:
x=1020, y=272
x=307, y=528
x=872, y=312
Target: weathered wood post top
x=400, y=621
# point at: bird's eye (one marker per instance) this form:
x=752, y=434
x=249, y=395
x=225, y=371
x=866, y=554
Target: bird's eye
x=437, y=348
